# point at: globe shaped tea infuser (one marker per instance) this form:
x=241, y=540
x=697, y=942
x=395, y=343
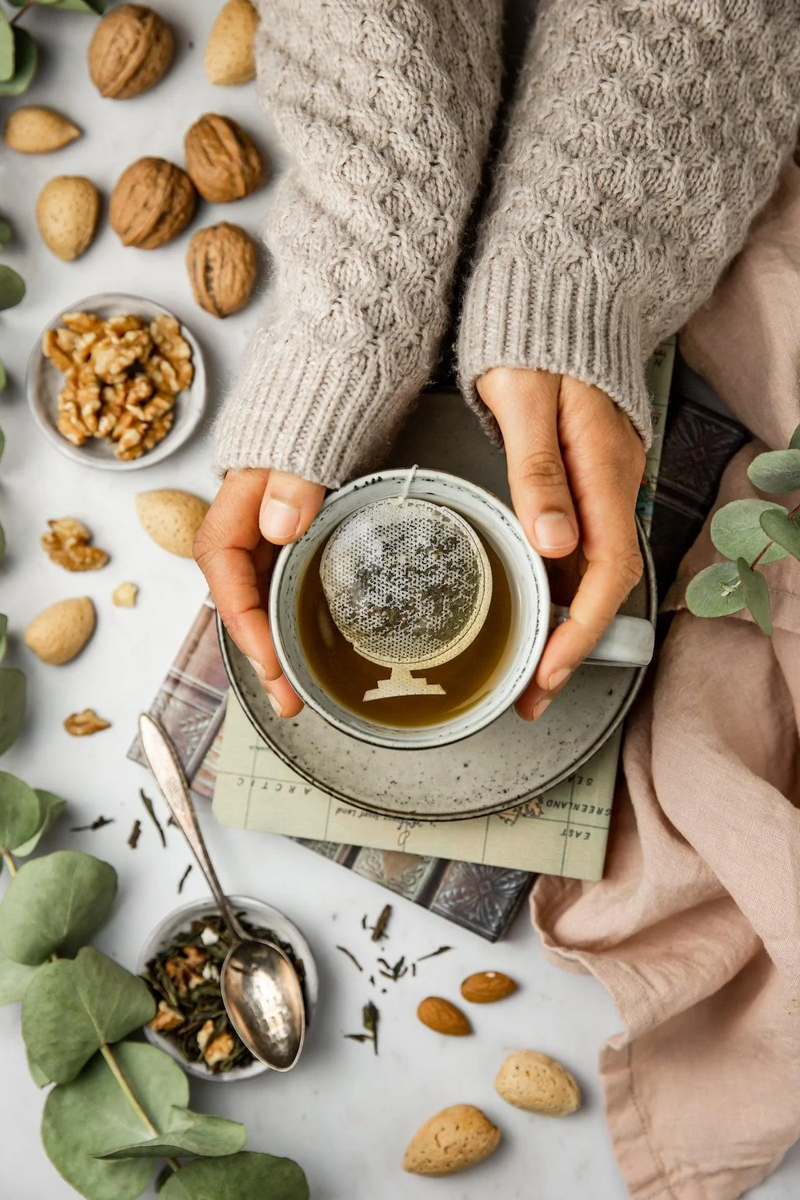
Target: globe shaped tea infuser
x=408, y=584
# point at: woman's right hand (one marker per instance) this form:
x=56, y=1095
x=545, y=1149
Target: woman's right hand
x=254, y=511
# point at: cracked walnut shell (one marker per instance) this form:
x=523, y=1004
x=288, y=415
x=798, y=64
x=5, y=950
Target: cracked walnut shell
x=222, y=267
x=130, y=51
x=222, y=160
x=153, y=201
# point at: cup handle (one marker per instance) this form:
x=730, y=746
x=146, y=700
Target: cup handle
x=628, y=641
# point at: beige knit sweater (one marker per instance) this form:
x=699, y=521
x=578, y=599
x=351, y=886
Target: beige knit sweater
x=644, y=137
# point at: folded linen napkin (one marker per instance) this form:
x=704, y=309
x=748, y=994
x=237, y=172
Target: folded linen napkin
x=695, y=929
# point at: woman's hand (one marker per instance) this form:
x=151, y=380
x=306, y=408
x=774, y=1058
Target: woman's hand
x=575, y=463
x=254, y=512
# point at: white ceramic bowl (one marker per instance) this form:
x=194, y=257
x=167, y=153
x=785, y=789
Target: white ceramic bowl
x=44, y=382
x=257, y=913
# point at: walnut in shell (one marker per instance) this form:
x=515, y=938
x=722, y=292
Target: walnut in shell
x=152, y=203
x=222, y=160
x=222, y=267
x=131, y=50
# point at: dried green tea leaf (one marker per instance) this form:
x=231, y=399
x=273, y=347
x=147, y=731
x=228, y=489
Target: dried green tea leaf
x=6, y=48
x=187, y=1132
x=782, y=529
x=14, y=980
x=736, y=530
x=91, y=1115
x=20, y=811
x=12, y=703
x=74, y=1007
x=245, y=1176
x=776, y=471
x=716, y=591
x=756, y=595
x=54, y=905
x=51, y=807
x=26, y=59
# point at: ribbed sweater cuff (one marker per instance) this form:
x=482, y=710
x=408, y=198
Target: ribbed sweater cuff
x=310, y=409
x=560, y=316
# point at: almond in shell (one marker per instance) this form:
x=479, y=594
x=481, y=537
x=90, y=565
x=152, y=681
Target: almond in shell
x=229, y=57
x=172, y=518
x=61, y=631
x=538, y=1084
x=33, y=130
x=443, y=1017
x=451, y=1141
x=487, y=986
x=67, y=212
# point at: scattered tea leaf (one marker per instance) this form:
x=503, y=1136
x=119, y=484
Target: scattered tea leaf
x=358, y=1037
x=434, y=953
x=54, y=905
x=12, y=704
x=756, y=595
x=776, y=471
x=351, y=956
x=51, y=807
x=716, y=591
x=91, y=1115
x=783, y=529
x=20, y=812
x=151, y=812
x=370, y=1018
x=183, y=878
x=379, y=928
x=247, y=1176
x=98, y=823
x=736, y=530
x=133, y=840
x=14, y=980
x=75, y=1006
x=186, y=1133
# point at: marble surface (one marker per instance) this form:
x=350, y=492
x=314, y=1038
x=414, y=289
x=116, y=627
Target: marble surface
x=344, y=1114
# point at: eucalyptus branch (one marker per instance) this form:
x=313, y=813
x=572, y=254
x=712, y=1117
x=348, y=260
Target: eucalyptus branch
x=21, y=12
x=130, y=1096
x=8, y=859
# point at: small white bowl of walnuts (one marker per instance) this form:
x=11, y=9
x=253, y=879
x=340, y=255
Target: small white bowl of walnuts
x=116, y=382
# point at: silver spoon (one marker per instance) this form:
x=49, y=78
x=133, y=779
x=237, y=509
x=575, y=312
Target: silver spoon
x=260, y=987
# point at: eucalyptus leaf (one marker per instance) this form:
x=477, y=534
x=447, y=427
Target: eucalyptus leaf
x=794, y=443
x=3, y=386
x=783, y=530
x=14, y=980
x=20, y=811
x=12, y=704
x=6, y=48
x=245, y=1176
x=26, y=59
x=3, y=635
x=90, y=6
x=715, y=592
x=737, y=533
x=73, y=1007
x=756, y=595
x=187, y=1133
x=51, y=807
x=37, y=1074
x=12, y=285
x=776, y=471
x=55, y=904
x=5, y=232
x=91, y=1115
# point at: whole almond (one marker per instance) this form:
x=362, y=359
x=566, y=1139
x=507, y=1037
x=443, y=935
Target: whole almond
x=172, y=518
x=229, y=57
x=443, y=1017
x=67, y=212
x=131, y=49
x=450, y=1141
x=33, y=130
x=487, y=986
x=61, y=631
x=537, y=1083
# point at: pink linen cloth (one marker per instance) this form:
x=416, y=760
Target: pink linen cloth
x=695, y=929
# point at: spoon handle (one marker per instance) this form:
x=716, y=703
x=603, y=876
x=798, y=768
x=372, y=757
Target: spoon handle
x=169, y=775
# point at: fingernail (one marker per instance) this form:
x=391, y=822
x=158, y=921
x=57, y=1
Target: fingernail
x=542, y=707
x=276, y=708
x=558, y=677
x=279, y=520
x=554, y=531
x=259, y=670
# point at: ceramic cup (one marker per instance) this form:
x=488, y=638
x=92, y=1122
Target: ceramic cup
x=628, y=642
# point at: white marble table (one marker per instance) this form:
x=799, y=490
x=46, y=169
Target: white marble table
x=343, y=1114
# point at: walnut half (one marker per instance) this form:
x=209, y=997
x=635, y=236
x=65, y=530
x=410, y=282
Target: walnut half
x=84, y=723
x=67, y=544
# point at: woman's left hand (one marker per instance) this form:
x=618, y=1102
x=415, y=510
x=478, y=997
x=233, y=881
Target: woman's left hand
x=575, y=463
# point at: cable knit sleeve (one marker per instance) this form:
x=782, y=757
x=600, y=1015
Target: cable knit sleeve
x=645, y=136
x=385, y=108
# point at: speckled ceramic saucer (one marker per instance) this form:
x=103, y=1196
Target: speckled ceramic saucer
x=501, y=766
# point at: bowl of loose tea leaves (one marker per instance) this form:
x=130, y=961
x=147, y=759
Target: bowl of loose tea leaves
x=181, y=963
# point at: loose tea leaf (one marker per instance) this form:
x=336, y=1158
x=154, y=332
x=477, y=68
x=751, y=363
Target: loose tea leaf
x=736, y=530
x=245, y=1176
x=151, y=812
x=98, y=823
x=14, y=980
x=776, y=471
x=91, y=1116
x=51, y=808
x=379, y=928
x=434, y=953
x=756, y=595
x=187, y=1133
x=73, y=1007
x=183, y=878
x=370, y=1018
x=55, y=904
x=20, y=812
x=351, y=956
x=133, y=840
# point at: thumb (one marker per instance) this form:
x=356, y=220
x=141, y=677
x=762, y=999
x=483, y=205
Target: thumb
x=288, y=507
x=525, y=404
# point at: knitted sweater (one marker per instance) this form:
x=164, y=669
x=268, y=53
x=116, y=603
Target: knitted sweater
x=644, y=137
